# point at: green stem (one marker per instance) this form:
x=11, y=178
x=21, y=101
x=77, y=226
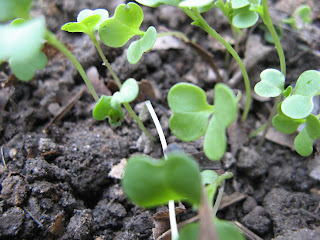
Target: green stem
x=196, y=16
x=134, y=115
x=176, y=34
x=104, y=59
x=268, y=22
x=52, y=40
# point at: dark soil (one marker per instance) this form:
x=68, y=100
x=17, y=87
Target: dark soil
x=57, y=184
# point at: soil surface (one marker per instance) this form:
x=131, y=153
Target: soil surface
x=60, y=176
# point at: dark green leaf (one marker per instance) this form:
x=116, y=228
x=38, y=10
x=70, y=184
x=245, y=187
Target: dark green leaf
x=313, y=127
x=303, y=143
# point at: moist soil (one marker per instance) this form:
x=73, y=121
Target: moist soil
x=58, y=172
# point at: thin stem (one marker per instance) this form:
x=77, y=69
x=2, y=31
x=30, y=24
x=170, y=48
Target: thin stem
x=174, y=33
x=104, y=59
x=268, y=22
x=218, y=199
x=196, y=16
x=172, y=213
x=135, y=117
x=52, y=40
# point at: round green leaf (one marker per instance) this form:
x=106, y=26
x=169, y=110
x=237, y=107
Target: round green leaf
x=103, y=13
x=285, y=124
x=208, y=177
x=303, y=143
x=103, y=110
x=128, y=93
x=10, y=9
x=297, y=106
x=313, y=127
x=189, y=232
x=190, y=109
x=215, y=141
x=23, y=41
x=245, y=19
x=225, y=105
x=227, y=230
x=271, y=84
x=195, y=3
x=25, y=70
x=149, y=182
x=308, y=83
x=156, y=3
x=116, y=31
x=239, y=3
x=137, y=48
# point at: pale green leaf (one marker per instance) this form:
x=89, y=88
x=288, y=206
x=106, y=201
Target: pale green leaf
x=308, y=83
x=271, y=84
x=303, y=143
x=156, y=3
x=239, y=3
x=195, y=3
x=128, y=93
x=10, y=9
x=297, y=106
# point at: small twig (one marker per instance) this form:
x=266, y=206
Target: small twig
x=33, y=218
x=310, y=214
x=2, y=158
x=65, y=109
x=249, y=234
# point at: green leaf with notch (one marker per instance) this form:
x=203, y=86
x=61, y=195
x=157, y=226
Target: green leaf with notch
x=103, y=13
x=308, y=83
x=149, y=182
x=156, y=3
x=22, y=42
x=10, y=9
x=103, y=110
x=116, y=31
x=128, y=93
x=239, y=3
x=284, y=124
x=271, y=84
x=190, y=109
x=137, y=48
x=25, y=70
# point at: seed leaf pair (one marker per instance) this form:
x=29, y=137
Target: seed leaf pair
x=244, y=13
x=149, y=182
x=191, y=113
x=22, y=46
x=110, y=106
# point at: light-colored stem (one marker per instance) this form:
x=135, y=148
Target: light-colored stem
x=196, y=16
x=172, y=213
x=52, y=40
x=218, y=199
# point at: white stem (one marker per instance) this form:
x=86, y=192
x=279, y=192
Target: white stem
x=172, y=214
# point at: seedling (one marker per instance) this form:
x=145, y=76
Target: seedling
x=300, y=15
x=191, y=116
x=297, y=106
x=149, y=182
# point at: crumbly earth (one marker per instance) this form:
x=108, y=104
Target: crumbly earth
x=56, y=184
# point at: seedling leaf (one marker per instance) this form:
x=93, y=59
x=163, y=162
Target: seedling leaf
x=303, y=12
x=287, y=92
x=285, y=124
x=22, y=41
x=297, y=106
x=137, y=48
x=195, y=3
x=308, y=83
x=116, y=31
x=303, y=143
x=10, y=9
x=215, y=141
x=208, y=177
x=103, y=13
x=104, y=110
x=313, y=127
x=128, y=92
x=245, y=19
x=271, y=84
x=85, y=26
x=239, y=3
x=25, y=70
x=149, y=182
x=156, y=3
x=190, y=109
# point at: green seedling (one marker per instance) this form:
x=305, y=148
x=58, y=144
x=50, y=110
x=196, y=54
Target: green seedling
x=110, y=106
x=149, y=182
x=301, y=14
x=297, y=106
x=191, y=116
x=21, y=46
